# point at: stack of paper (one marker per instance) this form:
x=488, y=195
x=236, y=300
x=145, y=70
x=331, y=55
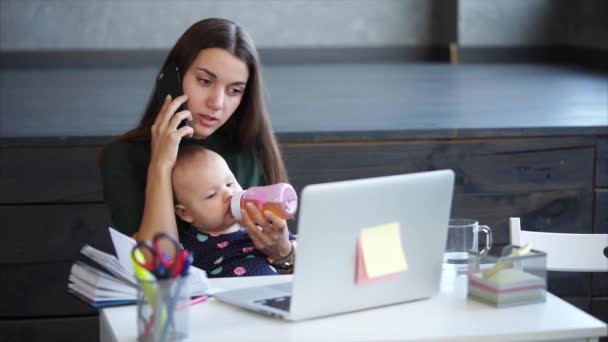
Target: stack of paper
x=102, y=279
x=507, y=287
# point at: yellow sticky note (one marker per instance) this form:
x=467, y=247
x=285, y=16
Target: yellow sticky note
x=382, y=250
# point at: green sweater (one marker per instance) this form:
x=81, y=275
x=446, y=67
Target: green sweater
x=124, y=169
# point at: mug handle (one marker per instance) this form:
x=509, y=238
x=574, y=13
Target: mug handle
x=488, y=232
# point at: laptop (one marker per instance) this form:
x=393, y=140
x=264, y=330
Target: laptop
x=331, y=216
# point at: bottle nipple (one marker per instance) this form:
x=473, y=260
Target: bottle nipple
x=235, y=204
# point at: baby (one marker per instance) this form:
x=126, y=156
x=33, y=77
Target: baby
x=203, y=185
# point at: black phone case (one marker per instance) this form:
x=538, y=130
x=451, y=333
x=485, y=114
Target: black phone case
x=168, y=82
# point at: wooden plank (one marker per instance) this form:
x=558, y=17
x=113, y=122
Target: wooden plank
x=480, y=166
x=601, y=168
x=49, y=233
x=600, y=220
x=49, y=174
x=547, y=182
x=66, y=329
x=599, y=308
x=138, y=58
x=351, y=98
x=569, y=284
x=38, y=290
x=599, y=284
x=582, y=303
x=553, y=211
x=550, y=211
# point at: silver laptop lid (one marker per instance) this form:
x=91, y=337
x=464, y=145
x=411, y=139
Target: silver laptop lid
x=330, y=220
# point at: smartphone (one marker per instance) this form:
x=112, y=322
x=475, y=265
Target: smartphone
x=168, y=82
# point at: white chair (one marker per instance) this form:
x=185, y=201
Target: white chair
x=565, y=252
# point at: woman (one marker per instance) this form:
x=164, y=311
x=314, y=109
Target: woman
x=221, y=78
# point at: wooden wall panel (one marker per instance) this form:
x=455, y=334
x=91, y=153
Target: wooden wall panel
x=49, y=174
x=599, y=308
x=573, y=284
x=599, y=284
x=555, y=211
x=51, y=204
x=38, y=290
x=547, y=182
x=600, y=221
x=601, y=168
x=480, y=166
x=582, y=303
x=600, y=226
x=50, y=233
x=67, y=329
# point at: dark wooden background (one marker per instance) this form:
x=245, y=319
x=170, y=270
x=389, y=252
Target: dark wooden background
x=550, y=170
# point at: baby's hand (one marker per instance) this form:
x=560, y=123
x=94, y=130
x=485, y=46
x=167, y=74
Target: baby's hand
x=268, y=232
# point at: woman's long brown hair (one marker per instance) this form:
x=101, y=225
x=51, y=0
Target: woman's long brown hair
x=250, y=124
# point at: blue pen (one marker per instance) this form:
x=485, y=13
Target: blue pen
x=186, y=264
x=186, y=260
x=161, y=270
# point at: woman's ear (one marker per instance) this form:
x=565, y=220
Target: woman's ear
x=183, y=213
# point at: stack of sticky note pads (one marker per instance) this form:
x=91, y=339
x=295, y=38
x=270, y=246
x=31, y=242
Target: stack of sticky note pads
x=509, y=286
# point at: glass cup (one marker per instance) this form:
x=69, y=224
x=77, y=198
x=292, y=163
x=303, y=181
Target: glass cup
x=162, y=309
x=463, y=237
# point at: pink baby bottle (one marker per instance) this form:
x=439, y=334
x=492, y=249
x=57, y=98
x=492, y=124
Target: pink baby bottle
x=280, y=199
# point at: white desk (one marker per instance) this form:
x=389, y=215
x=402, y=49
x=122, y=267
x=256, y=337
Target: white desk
x=447, y=316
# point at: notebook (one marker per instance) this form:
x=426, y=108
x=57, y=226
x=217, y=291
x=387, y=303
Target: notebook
x=331, y=219
x=101, y=279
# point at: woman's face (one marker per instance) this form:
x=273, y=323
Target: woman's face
x=214, y=83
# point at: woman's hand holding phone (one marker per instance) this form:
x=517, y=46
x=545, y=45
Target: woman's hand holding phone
x=166, y=135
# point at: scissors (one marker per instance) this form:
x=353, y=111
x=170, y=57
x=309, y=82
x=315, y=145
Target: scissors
x=162, y=256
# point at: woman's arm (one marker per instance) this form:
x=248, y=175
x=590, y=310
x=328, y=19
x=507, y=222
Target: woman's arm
x=158, y=214
x=139, y=193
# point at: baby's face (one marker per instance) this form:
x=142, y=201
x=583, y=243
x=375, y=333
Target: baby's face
x=205, y=188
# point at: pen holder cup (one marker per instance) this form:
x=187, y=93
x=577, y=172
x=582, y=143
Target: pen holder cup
x=162, y=309
x=504, y=280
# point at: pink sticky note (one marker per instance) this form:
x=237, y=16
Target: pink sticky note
x=361, y=276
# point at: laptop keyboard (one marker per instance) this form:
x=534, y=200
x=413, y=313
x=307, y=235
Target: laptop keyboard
x=281, y=303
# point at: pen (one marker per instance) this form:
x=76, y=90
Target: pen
x=181, y=263
x=185, y=261
x=194, y=301
x=146, y=279
x=147, y=282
